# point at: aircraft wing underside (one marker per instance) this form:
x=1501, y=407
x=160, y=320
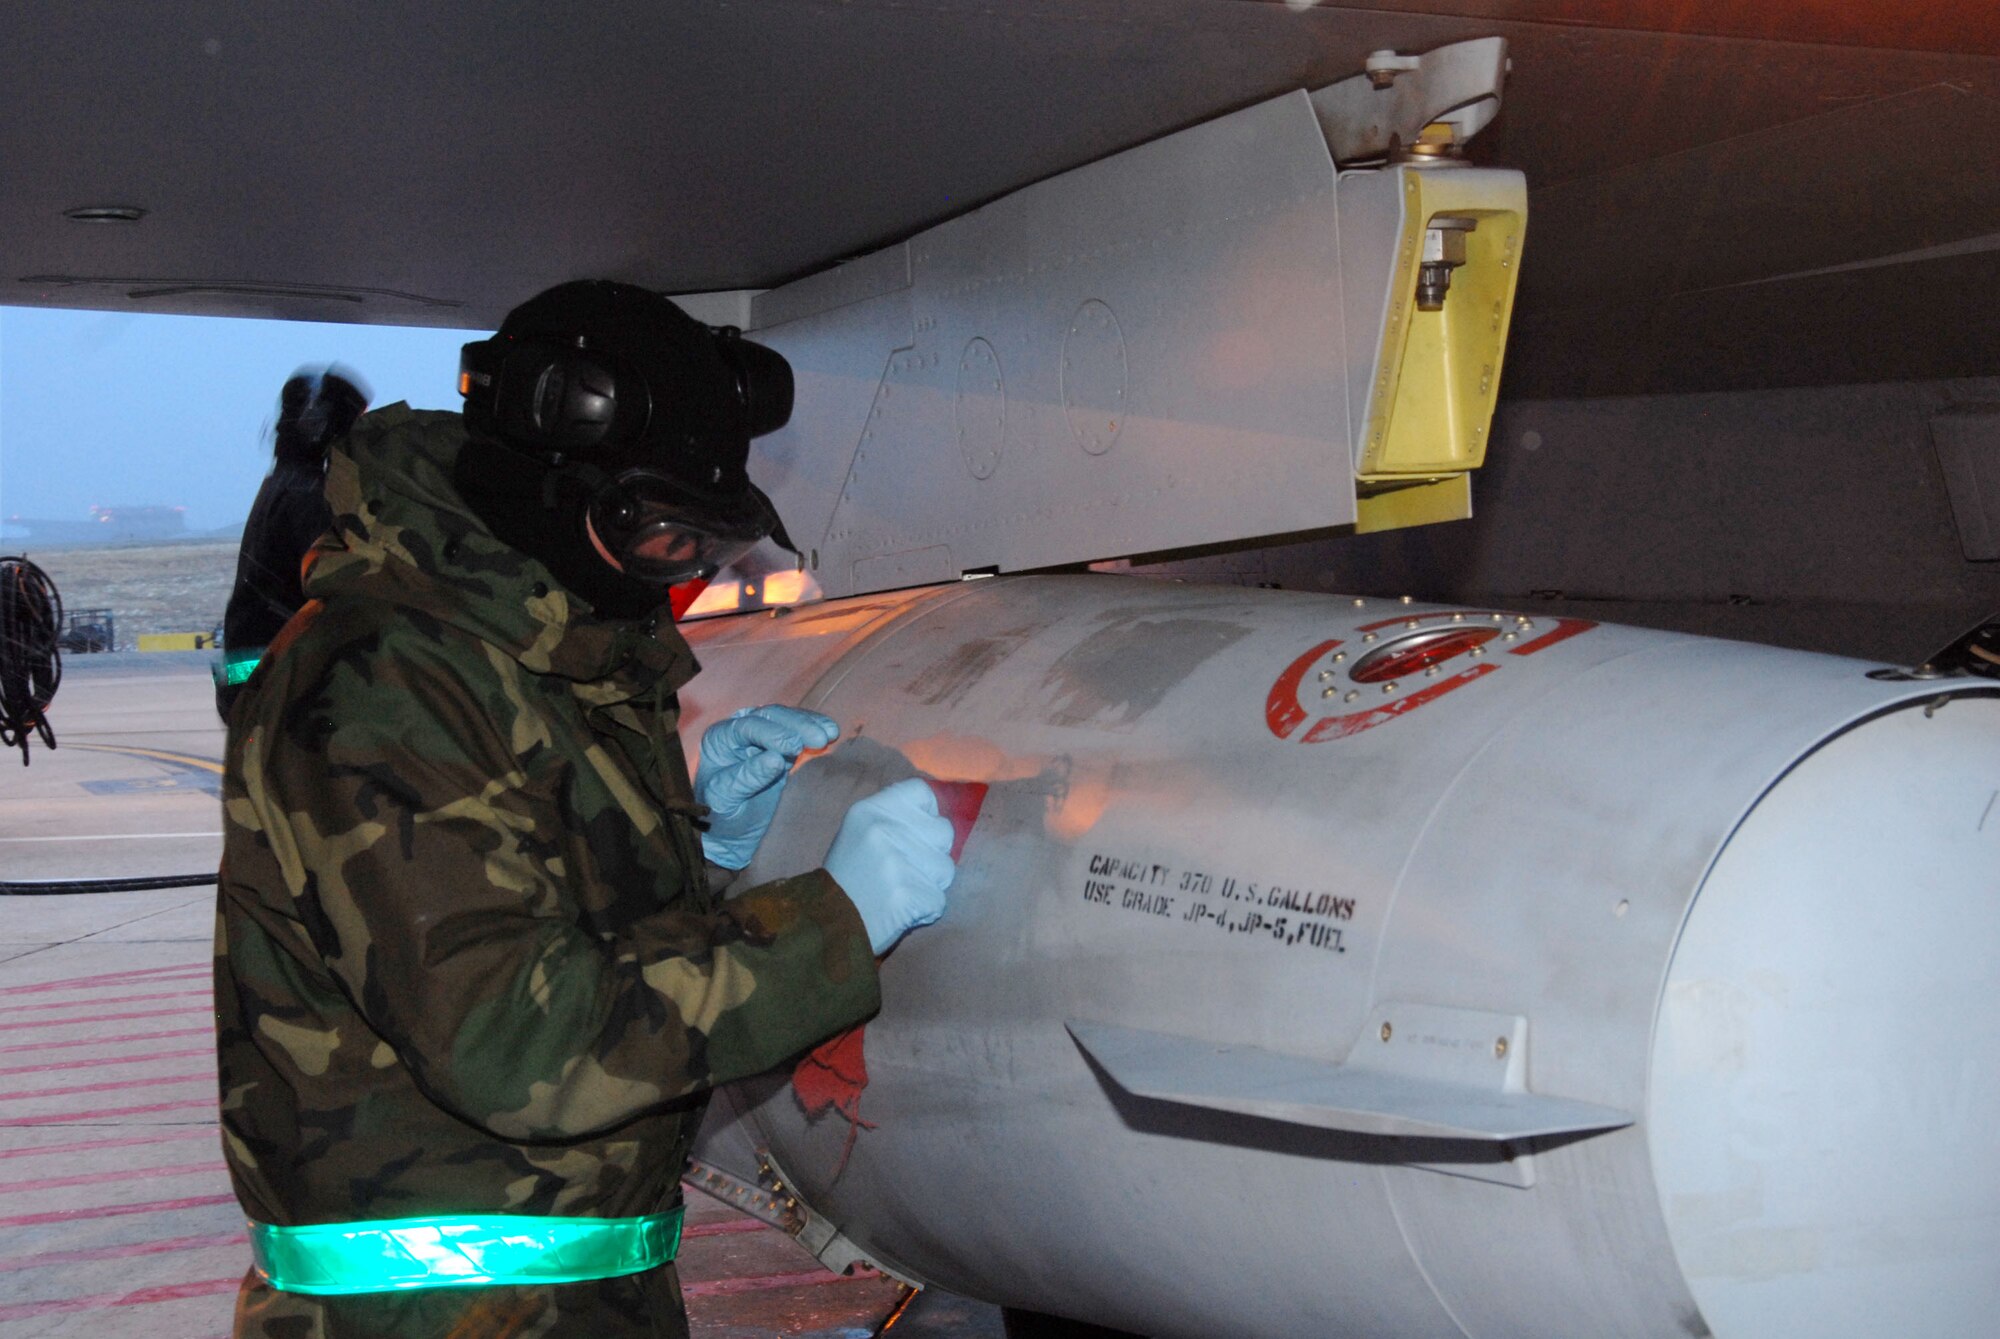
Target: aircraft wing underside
x=1718, y=188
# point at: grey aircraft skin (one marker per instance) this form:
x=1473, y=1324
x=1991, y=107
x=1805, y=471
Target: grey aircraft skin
x=1765, y=234
x=1633, y=984
x=1365, y=968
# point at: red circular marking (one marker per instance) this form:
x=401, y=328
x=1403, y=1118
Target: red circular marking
x=1282, y=711
x=1285, y=714
x=1419, y=651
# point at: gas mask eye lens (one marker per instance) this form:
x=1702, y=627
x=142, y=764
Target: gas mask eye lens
x=661, y=532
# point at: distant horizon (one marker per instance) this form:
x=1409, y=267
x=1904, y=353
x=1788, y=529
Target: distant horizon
x=124, y=410
x=227, y=534
x=19, y=530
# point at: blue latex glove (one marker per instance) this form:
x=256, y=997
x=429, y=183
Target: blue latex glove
x=892, y=857
x=745, y=761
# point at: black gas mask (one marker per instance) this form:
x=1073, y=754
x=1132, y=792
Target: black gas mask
x=642, y=418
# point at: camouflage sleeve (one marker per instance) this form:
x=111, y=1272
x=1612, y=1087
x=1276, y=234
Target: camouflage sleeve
x=427, y=869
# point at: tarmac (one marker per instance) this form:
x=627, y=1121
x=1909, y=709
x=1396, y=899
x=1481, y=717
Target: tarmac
x=116, y=1217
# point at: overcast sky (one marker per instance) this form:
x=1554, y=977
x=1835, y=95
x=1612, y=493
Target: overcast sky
x=110, y=409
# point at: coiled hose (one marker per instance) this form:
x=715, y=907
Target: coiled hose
x=30, y=670
x=30, y=654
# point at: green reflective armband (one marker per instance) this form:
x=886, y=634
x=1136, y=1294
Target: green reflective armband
x=236, y=666
x=387, y=1254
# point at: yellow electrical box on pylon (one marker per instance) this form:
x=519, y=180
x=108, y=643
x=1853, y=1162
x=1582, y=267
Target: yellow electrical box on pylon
x=1440, y=331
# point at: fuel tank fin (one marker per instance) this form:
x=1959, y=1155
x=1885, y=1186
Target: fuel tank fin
x=1360, y=1097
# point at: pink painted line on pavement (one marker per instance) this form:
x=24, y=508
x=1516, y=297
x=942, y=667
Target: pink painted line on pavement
x=165, y=1246
x=103, y=1004
x=119, y=1085
x=105, y=1041
x=90, y=1145
x=107, y=1178
x=99, y=1062
x=114, y=1210
x=722, y=1229
x=171, y=1292
x=75, y=1117
x=762, y=1283
x=185, y=1011
x=143, y=976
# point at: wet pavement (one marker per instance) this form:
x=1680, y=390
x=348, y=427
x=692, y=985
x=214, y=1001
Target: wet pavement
x=116, y=1217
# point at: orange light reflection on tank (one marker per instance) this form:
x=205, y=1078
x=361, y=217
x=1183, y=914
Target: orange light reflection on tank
x=1076, y=809
x=1076, y=799
x=968, y=758
x=719, y=598
x=789, y=588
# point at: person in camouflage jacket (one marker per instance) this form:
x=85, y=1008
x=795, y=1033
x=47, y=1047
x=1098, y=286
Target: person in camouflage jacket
x=467, y=958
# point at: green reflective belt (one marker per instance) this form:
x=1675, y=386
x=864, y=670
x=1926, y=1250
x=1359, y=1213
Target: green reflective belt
x=331, y=1259
x=236, y=666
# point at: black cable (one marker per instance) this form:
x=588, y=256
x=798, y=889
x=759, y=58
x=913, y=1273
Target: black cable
x=30, y=653
x=139, y=884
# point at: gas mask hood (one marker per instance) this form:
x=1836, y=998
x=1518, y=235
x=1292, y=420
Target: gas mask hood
x=613, y=389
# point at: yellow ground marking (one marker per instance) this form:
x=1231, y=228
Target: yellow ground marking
x=186, y=760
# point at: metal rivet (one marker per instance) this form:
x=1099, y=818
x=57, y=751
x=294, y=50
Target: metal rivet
x=1623, y=906
x=1411, y=624
x=1500, y=1048
x=1367, y=636
x=1386, y=1031
x=1324, y=675
x=1477, y=651
x=1403, y=599
x=1499, y=618
x=1389, y=687
x=1458, y=618
x=1339, y=656
x=1352, y=694
x=1328, y=692
x=1508, y=636
x=1431, y=673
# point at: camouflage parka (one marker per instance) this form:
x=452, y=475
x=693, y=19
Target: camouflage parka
x=467, y=960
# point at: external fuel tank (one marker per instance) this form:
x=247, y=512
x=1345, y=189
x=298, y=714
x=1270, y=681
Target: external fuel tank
x=1338, y=967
